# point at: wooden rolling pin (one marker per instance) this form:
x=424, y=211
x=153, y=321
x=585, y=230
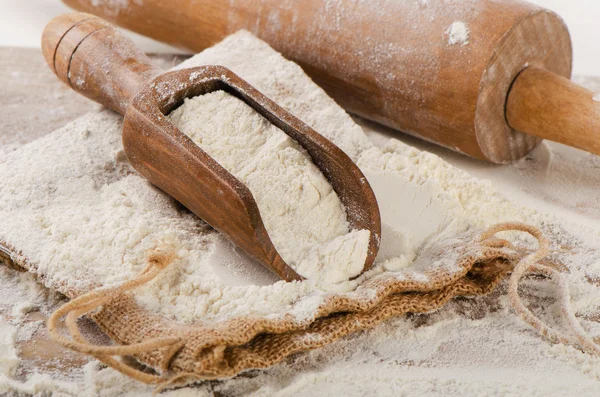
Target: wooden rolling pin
x=482, y=77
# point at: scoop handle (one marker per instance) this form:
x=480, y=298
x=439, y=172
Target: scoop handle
x=94, y=59
x=552, y=107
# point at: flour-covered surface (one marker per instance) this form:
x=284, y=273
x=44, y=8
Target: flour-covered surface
x=470, y=347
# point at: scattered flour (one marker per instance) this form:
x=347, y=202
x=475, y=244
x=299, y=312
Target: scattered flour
x=470, y=347
x=458, y=33
x=303, y=215
x=596, y=97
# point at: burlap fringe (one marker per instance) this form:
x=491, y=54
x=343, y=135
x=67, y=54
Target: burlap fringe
x=530, y=264
x=161, y=257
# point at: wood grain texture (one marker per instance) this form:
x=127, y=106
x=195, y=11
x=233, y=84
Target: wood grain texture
x=106, y=67
x=552, y=107
x=390, y=62
x=95, y=60
x=539, y=39
x=62, y=34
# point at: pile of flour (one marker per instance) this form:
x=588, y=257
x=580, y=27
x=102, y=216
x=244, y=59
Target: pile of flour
x=303, y=215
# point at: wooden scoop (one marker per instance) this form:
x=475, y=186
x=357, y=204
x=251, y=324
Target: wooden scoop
x=95, y=60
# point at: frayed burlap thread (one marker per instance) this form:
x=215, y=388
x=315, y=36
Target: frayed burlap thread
x=530, y=264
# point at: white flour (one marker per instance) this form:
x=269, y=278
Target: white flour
x=303, y=215
x=458, y=33
x=470, y=347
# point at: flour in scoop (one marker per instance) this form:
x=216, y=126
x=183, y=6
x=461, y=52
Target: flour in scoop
x=303, y=215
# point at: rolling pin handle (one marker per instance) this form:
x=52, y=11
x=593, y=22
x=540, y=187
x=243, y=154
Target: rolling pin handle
x=96, y=60
x=552, y=107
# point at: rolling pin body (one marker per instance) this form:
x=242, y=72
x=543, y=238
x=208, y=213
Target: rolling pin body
x=406, y=64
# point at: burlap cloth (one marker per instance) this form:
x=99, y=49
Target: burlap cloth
x=225, y=349
x=470, y=264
